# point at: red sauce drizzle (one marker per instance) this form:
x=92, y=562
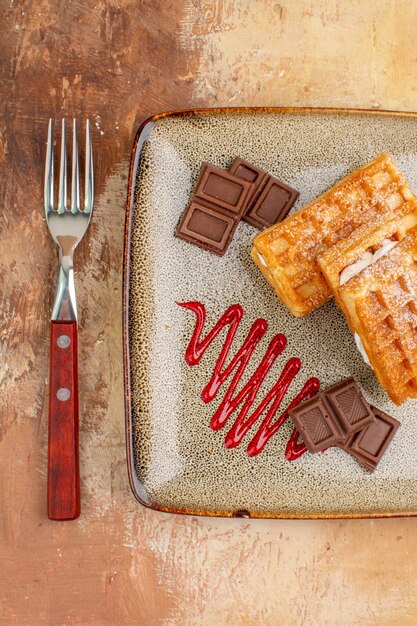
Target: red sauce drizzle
x=247, y=395
x=295, y=448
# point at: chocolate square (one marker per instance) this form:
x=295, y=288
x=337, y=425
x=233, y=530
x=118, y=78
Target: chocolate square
x=369, y=445
x=220, y=188
x=273, y=204
x=349, y=404
x=316, y=423
x=216, y=207
x=206, y=227
x=247, y=171
x=269, y=201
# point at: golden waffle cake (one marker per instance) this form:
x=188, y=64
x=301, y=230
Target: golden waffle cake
x=364, y=246
x=381, y=307
x=287, y=252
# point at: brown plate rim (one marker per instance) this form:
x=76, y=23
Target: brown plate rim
x=137, y=488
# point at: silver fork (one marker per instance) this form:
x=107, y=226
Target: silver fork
x=67, y=225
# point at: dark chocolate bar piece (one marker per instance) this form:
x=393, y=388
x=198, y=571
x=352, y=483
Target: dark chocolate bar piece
x=369, y=445
x=215, y=210
x=270, y=200
x=342, y=409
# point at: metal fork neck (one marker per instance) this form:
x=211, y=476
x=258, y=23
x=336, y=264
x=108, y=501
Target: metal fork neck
x=65, y=306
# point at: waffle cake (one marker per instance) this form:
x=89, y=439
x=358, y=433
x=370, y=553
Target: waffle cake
x=381, y=307
x=287, y=253
x=364, y=246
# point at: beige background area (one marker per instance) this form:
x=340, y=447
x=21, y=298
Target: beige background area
x=118, y=62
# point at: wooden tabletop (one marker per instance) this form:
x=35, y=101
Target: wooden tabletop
x=118, y=62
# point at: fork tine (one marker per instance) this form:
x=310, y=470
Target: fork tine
x=75, y=181
x=49, y=173
x=89, y=175
x=63, y=181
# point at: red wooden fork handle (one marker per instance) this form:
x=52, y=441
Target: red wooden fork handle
x=63, y=466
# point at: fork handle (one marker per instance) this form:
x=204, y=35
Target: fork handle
x=63, y=465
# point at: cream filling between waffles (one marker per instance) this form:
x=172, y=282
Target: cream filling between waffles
x=367, y=259
x=262, y=260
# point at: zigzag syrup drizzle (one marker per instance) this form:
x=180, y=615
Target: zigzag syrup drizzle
x=241, y=402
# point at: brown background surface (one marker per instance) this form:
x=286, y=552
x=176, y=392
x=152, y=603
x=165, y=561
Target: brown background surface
x=118, y=62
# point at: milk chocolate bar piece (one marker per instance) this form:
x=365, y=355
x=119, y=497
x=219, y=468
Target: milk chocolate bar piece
x=220, y=188
x=206, y=227
x=350, y=406
x=369, y=444
x=215, y=210
x=254, y=175
x=332, y=416
x=270, y=200
x=273, y=205
x=316, y=423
